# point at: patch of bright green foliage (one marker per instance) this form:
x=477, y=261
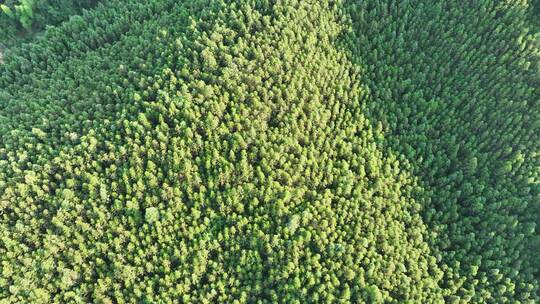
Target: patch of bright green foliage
x=215, y=151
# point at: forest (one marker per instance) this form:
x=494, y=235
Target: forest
x=269, y=151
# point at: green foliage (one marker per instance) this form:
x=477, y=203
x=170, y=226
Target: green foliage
x=28, y=15
x=216, y=151
x=151, y=215
x=467, y=120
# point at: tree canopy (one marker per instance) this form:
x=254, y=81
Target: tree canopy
x=257, y=151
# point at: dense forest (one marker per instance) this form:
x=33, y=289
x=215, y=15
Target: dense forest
x=269, y=151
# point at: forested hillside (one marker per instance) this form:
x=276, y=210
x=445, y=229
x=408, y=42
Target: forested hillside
x=260, y=151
